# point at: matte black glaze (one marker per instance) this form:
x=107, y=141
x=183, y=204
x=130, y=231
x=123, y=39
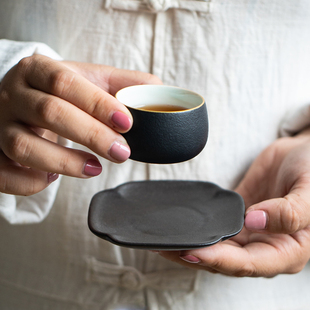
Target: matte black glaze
x=165, y=138
x=166, y=215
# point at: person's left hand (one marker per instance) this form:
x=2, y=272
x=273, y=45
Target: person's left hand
x=276, y=236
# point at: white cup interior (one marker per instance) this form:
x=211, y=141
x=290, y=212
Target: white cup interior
x=141, y=95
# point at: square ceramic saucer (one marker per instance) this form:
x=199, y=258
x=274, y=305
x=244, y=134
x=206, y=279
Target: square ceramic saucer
x=166, y=215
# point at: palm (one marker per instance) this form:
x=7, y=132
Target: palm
x=277, y=182
x=273, y=175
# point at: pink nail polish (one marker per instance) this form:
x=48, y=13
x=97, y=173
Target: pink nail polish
x=92, y=168
x=119, y=151
x=121, y=120
x=191, y=259
x=51, y=177
x=256, y=220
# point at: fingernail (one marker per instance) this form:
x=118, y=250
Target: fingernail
x=121, y=120
x=256, y=220
x=51, y=177
x=92, y=167
x=191, y=259
x=119, y=151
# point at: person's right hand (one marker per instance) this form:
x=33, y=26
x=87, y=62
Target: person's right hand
x=41, y=99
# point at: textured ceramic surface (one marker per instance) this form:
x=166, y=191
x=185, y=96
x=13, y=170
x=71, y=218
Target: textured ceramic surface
x=166, y=215
x=165, y=137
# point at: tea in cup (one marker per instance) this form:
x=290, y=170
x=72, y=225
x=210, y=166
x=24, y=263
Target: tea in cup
x=170, y=124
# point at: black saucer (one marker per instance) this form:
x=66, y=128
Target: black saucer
x=166, y=215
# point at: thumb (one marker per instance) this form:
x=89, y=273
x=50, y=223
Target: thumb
x=280, y=215
x=109, y=78
x=120, y=78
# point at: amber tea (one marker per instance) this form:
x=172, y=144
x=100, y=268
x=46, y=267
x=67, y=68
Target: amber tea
x=162, y=108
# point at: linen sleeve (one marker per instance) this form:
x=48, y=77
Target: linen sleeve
x=295, y=121
x=11, y=52
x=32, y=209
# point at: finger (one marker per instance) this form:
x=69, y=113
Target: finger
x=112, y=79
x=65, y=119
x=174, y=256
x=257, y=258
x=282, y=215
x=55, y=78
x=122, y=78
x=24, y=146
x=18, y=180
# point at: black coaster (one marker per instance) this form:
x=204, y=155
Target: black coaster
x=166, y=215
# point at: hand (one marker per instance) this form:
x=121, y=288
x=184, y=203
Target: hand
x=42, y=99
x=276, y=236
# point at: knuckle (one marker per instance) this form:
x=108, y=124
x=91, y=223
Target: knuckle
x=247, y=270
x=60, y=81
x=219, y=267
x=290, y=215
x=25, y=63
x=18, y=147
x=215, y=265
x=29, y=63
x=63, y=165
x=49, y=110
x=93, y=136
x=97, y=106
x=5, y=96
x=18, y=180
x=13, y=81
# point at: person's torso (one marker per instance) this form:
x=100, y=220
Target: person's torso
x=248, y=59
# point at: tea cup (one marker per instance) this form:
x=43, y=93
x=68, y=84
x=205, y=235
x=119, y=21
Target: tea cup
x=170, y=124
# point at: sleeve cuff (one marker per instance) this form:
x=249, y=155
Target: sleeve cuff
x=11, y=52
x=295, y=122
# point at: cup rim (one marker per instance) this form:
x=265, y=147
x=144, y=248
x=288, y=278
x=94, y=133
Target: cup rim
x=166, y=86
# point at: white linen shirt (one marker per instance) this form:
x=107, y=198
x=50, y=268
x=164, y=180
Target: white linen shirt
x=248, y=58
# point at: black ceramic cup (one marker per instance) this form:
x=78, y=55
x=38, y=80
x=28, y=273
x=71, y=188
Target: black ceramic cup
x=170, y=124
